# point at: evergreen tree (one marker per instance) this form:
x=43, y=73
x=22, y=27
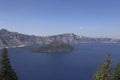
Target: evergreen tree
x=104, y=71
x=117, y=72
x=6, y=72
x=107, y=68
x=99, y=74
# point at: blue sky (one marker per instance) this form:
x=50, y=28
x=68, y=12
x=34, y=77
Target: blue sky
x=93, y=18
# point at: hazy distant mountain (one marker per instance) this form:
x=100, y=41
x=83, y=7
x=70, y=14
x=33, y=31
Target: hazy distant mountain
x=13, y=39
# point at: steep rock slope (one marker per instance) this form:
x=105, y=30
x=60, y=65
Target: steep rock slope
x=12, y=39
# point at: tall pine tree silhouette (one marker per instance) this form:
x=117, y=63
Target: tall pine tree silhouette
x=104, y=71
x=117, y=72
x=6, y=71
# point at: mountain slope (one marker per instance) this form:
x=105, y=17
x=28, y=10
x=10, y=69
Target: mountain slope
x=12, y=39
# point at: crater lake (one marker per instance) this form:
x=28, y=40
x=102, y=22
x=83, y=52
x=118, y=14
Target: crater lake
x=77, y=65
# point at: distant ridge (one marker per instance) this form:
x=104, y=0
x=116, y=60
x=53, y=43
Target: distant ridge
x=14, y=39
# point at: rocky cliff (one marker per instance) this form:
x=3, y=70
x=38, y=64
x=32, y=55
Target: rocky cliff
x=13, y=39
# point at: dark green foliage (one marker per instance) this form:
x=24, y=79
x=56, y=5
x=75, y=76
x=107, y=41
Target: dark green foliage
x=104, y=71
x=117, y=72
x=6, y=72
x=99, y=74
x=55, y=46
x=107, y=68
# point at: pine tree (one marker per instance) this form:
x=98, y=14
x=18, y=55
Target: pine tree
x=107, y=68
x=6, y=71
x=117, y=72
x=104, y=71
x=99, y=74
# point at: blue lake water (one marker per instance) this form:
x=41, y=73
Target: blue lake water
x=78, y=65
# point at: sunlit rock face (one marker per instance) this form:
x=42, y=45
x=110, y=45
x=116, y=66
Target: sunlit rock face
x=9, y=39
